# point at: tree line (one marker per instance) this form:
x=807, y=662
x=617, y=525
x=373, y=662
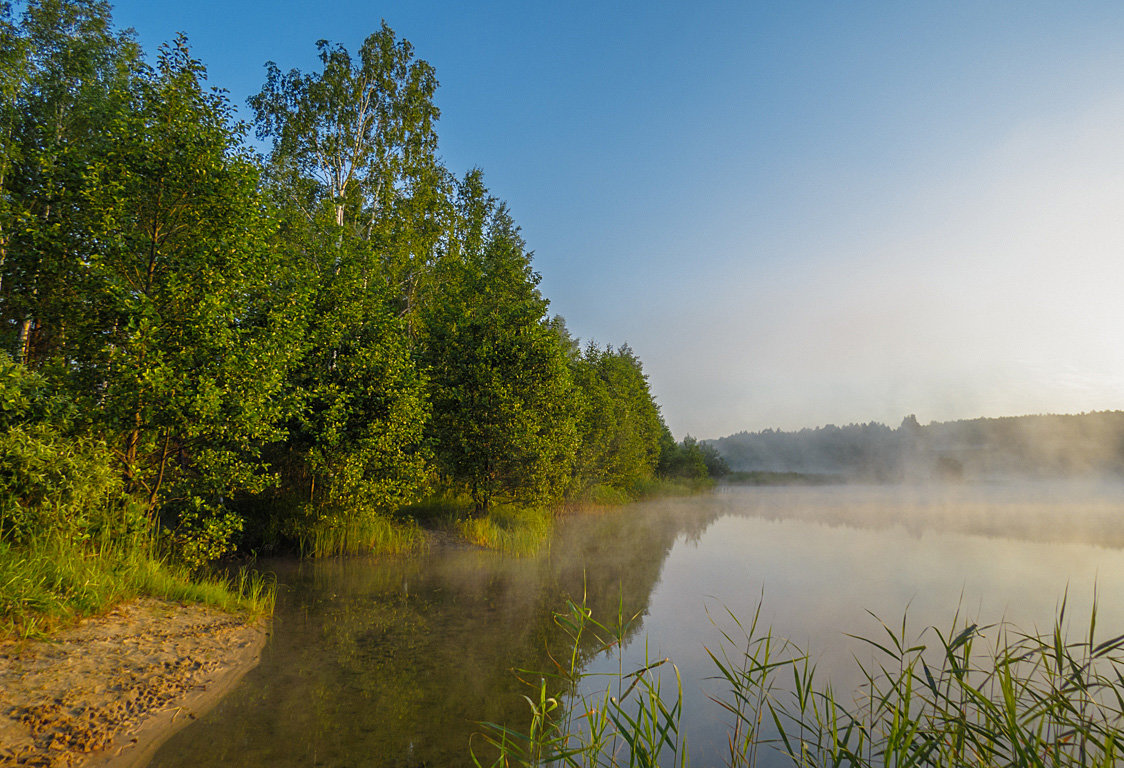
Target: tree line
x=236, y=346
x=1044, y=445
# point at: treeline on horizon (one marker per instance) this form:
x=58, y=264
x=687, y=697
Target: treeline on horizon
x=256, y=350
x=1047, y=446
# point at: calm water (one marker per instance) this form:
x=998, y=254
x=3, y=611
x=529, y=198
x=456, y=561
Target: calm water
x=391, y=662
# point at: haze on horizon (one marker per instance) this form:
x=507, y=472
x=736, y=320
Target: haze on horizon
x=796, y=215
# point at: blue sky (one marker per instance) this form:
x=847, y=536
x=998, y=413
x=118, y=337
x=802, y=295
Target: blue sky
x=795, y=213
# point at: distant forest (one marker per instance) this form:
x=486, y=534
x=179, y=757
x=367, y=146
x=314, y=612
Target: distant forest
x=1087, y=444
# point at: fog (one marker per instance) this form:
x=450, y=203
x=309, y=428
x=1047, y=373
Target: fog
x=984, y=289
x=1077, y=446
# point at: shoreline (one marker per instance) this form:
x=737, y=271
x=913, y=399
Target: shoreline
x=107, y=692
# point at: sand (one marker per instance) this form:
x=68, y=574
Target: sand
x=108, y=691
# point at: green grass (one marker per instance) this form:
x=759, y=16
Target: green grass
x=604, y=496
x=440, y=510
x=45, y=585
x=669, y=486
x=972, y=696
x=524, y=530
x=509, y=529
x=369, y=534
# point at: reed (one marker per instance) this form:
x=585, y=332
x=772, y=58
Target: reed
x=360, y=534
x=633, y=719
x=669, y=486
x=971, y=695
x=509, y=529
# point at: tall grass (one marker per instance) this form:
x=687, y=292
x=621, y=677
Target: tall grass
x=510, y=529
x=630, y=721
x=637, y=489
x=969, y=696
x=374, y=534
x=46, y=584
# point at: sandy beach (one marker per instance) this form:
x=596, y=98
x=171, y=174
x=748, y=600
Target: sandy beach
x=108, y=691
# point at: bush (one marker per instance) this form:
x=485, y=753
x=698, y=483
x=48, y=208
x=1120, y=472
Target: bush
x=54, y=483
x=202, y=532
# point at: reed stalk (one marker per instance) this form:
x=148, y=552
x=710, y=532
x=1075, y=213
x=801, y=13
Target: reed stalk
x=968, y=696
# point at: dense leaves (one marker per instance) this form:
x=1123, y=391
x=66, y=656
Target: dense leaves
x=299, y=345
x=620, y=425
x=53, y=482
x=503, y=420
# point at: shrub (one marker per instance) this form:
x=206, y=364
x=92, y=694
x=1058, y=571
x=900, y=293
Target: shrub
x=55, y=483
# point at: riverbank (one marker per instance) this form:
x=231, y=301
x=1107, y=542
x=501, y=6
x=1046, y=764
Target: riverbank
x=108, y=691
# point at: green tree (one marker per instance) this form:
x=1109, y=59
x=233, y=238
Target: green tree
x=65, y=77
x=620, y=424
x=55, y=483
x=690, y=459
x=355, y=144
x=139, y=269
x=189, y=369
x=352, y=168
x=502, y=421
x=13, y=72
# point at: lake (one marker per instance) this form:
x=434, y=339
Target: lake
x=393, y=661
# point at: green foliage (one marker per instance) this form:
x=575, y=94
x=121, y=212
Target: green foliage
x=54, y=483
x=66, y=79
x=198, y=532
x=138, y=270
x=620, y=424
x=352, y=164
x=499, y=379
x=353, y=129
x=690, y=460
x=357, y=441
x=289, y=351
x=190, y=350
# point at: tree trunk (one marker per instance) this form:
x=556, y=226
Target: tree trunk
x=25, y=341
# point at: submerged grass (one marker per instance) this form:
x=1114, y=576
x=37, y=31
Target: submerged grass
x=45, y=585
x=970, y=696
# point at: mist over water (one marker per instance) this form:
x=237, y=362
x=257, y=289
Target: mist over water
x=393, y=662
x=819, y=559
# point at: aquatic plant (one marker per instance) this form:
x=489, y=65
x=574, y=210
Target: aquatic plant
x=508, y=528
x=972, y=695
x=631, y=721
x=353, y=534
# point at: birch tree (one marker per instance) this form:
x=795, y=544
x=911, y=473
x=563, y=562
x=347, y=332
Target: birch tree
x=353, y=169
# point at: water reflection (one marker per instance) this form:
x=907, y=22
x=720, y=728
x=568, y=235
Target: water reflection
x=391, y=662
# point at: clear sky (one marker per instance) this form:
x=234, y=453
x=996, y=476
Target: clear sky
x=795, y=213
